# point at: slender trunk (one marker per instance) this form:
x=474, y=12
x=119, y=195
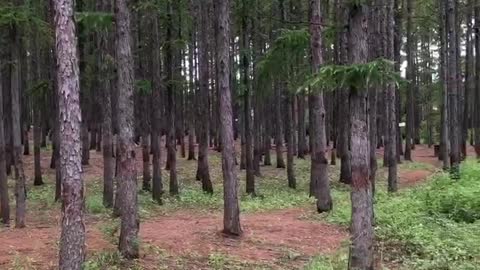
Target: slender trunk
x=250, y=186
x=37, y=133
x=72, y=239
x=452, y=84
x=278, y=127
x=477, y=83
x=362, y=235
x=469, y=77
x=203, y=171
x=409, y=129
x=290, y=130
x=302, y=133
x=170, y=73
x=4, y=199
x=20, y=191
x=231, y=217
x=390, y=103
x=319, y=182
x=127, y=180
x=105, y=45
x=344, y=114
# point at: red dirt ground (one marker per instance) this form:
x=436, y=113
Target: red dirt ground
x=268, y=236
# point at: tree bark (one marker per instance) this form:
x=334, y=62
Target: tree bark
x=170, y=73
x=362, y=235
x=203, y=171
x=127, y=181
x=105, y=46
x=290, y=130
x=231, y=217
x=410, y=125
x=344, y=113
x=157, y=186
x=319, y=182
x=452, y=83
x=4, y=199
x=245, y=73
x=20, y=191
x=72, y=239
x=390, y=103
x=477, y=83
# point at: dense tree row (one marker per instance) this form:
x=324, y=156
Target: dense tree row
x=297, y=78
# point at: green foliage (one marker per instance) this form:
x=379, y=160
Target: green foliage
x=359, y=76
x=456, y=200
x=25, y=18
x=95, y=21
x=336, y=261
x=111, y=260
x=286, y=57
x=144, y=87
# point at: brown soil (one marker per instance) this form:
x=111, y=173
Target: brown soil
x=39, y=245
x=267, y=236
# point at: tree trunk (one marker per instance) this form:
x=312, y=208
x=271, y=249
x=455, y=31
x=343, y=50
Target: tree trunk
x=409, y=129
x=452, y=83
x=290, y=130
x=157, y=186
x=37, y=139
x=302, y=132
x=72, y=239
x=105, y=46
x=203, y=171
x=4, y=199
x=169, y=68
x=344, y=114
x=20, y=192
x=278, y=127
x=477, y=83
x=319, y=182
x=362, y=235
x=231, y=217
x=245, y=65
x=128, y=243
x=469, y=77
x=390, y=103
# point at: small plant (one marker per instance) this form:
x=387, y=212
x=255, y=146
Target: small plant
x=217, y=260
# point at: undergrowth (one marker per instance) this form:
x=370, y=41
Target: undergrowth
x=433, y=226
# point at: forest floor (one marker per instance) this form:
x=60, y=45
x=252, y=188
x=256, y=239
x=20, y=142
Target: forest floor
x=282, y=230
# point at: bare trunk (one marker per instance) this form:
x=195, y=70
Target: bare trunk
x=278, y=127
x=37, y=132
x=344, y=113
x=4, y=199
x=72, y=239
x=477, y=83
x=127, y=174
x=231, y=218
x=157, y=186
x=319, y=182
x=390, y=103
x=452, y=83
x=362, y=235
x=203, y=171
x=290, y=130
x=20, y=192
